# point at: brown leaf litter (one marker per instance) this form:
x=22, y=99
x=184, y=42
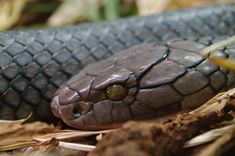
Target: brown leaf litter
x=20, y=138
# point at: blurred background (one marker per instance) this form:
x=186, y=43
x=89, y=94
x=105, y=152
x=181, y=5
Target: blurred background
x=23, y=14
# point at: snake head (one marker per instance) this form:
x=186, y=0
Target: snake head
x=96, y=99
x=103, y=94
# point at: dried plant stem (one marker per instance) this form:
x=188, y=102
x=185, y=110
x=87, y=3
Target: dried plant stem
x=210, y=49
x=76, y=146
x=220, y=145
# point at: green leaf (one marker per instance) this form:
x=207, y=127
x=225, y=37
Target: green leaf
x=112, y=9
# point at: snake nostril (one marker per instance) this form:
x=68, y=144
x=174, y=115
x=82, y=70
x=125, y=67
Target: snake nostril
x=76, y=112
x=81, y=108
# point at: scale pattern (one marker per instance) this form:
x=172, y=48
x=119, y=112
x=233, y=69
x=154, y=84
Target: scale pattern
x=34, y=63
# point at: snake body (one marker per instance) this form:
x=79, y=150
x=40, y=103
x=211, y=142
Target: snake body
x=34, y=63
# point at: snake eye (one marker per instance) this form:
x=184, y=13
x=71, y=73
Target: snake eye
x=116, y=92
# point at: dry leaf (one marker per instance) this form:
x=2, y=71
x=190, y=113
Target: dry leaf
x=147, y=7
x=10, y=11
x=72, y=10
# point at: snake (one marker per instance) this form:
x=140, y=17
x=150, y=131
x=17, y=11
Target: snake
x=93, y=76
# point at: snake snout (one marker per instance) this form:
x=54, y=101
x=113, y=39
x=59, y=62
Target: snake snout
x=70, y=110
x=55, y=106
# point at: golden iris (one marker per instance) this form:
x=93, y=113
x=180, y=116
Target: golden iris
x=116, y=92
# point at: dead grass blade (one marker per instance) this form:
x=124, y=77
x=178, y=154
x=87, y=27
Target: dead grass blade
x=226, y=63
x=69, y=135
x=208, y=136
x=17, y=145
x=20, y=121
x=221, y=145
x=76, y=146
x=214, y=47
